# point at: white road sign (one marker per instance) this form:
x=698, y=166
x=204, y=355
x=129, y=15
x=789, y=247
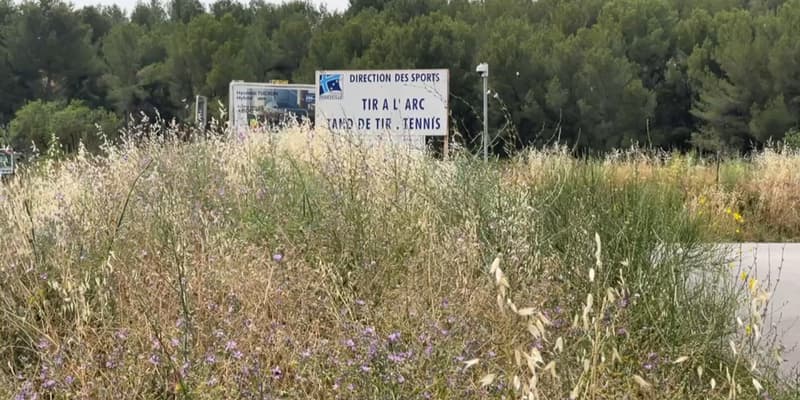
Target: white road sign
x=393, y=102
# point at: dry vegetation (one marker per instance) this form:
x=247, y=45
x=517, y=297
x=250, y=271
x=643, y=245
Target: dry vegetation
x=298, y=266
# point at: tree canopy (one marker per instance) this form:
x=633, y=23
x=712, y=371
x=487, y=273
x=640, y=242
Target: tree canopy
x=594, y=74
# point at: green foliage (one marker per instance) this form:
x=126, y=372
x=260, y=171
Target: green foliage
x=41, y=124
x=49, y=50
x=792, y=139
x=595, y=75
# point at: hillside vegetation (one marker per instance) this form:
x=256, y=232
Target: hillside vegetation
x=596, y=75
x=298, y=265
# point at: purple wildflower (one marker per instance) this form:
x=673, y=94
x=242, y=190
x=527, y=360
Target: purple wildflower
x=237, y=355
x=155, y=359
x=400, y=379
x=43, y=344
x=69, y=379
x=277, y=257
x=394, y=337
x=366, y=368
x=351, y=387
x=49, y=384
x=350, y=343
x=276, y=372
x=26, y=392
x=211, y=359
x=212, y=382
x=175, y=342
x=122, y=334
x=230, y=345
x=43, y=276
x=623, y=302
x=622, y=332
x=360, y=302
x=369, y=331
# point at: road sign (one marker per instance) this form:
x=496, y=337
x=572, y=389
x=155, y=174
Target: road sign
x=389, y=102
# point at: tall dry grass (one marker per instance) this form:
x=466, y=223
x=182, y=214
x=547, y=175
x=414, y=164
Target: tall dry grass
x=295, y=264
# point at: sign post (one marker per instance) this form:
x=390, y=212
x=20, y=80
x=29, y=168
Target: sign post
x=200, y=111
x=396, y=105
x=483, y=69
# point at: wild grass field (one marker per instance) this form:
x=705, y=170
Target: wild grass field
x=297, y=265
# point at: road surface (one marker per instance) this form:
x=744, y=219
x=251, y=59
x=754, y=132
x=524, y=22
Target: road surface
x=776, y=265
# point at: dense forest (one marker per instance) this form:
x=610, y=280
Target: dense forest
x=594, y=74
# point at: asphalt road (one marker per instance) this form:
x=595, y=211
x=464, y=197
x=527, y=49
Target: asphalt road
x=776, y=265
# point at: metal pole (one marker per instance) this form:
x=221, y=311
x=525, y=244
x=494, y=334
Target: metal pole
x=485, y=117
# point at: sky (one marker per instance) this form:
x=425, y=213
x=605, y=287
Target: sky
x=127, y=5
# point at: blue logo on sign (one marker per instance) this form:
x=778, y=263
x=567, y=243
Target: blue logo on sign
x=330, y=86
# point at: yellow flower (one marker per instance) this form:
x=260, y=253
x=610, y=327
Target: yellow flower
x=728, y=211
x=752, y=283
x=743, y=276
x=738, y=230
x=748, y=330
x=738, y=217
x=702, y=200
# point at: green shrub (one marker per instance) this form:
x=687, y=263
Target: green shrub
x=71, y=123
x=792, y=139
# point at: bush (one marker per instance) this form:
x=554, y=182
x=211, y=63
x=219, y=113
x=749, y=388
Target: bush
x=792, y=139
x=71, y=123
